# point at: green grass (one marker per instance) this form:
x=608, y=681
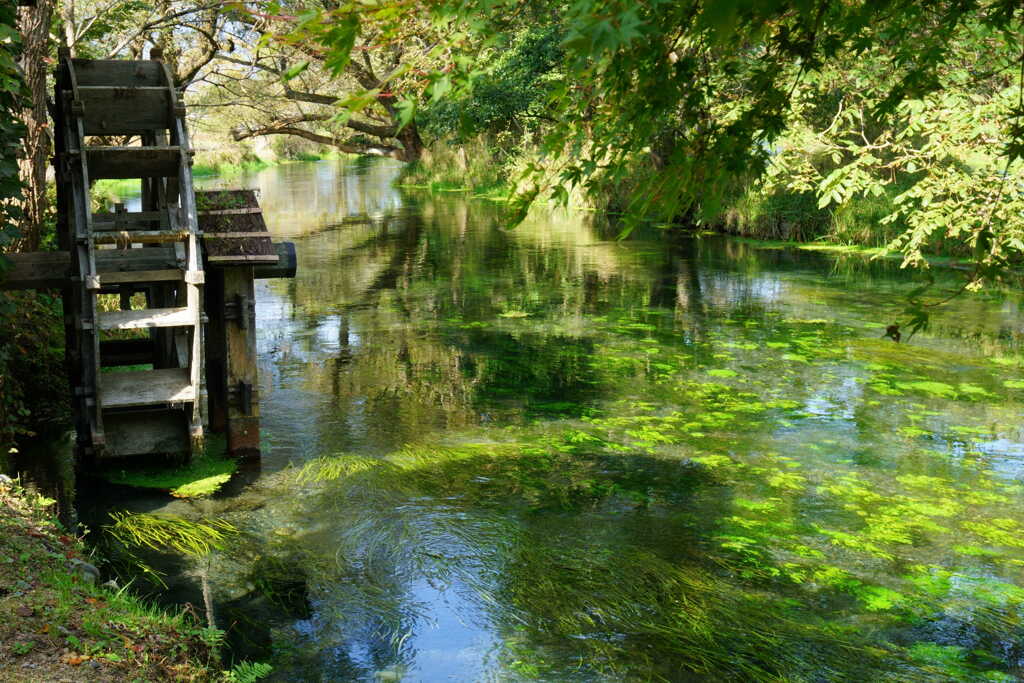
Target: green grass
x=845, y=249
x=61, y=624
x=200, y=170
x=476, y=166
x=107, y=192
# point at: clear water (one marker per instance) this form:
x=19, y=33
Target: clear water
x=544, y=454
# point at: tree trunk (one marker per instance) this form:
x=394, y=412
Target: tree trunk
x=34, y=24
x=412, y=143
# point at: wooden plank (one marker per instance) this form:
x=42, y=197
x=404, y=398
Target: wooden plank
x=231, y=212
x=49, y=269
x=146, y=432
x=36, y=270
x=125, y=260
x=233, y=235
x=128, y=220
x=215, y=353
x=286, y=265
x=243, y=421
x=133, y=162
x=118, y=72
x=145, y=388
x=167, y=275
x=121, y=110
x=147, y=318
x=243, y=259
x=140, y=237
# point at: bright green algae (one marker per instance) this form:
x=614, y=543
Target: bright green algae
x=628, y=461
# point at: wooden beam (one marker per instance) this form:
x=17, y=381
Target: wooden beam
x=230, y=212
x=124, y=110
x=232, y=235
x=145, y=388
x=146, y=432
x=118, y=73
x=49, y=269
x=242, y=260
x=242, y=381
x=133, y=162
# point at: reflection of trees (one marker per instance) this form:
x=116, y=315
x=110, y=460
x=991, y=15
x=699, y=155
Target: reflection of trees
x=400, y=319
x=304, y=199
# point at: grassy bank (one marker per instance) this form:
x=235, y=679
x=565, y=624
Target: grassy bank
x=478, y=167
x=57, y=622
x=489, y=169
x=796, y=217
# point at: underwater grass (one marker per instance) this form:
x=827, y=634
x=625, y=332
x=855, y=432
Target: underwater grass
x=786, y=529
x=165, y=532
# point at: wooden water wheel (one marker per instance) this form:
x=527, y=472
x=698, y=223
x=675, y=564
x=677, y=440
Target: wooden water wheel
x=154, y=406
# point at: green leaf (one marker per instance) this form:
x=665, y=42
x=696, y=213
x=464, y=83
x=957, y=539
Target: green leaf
x=295, y=71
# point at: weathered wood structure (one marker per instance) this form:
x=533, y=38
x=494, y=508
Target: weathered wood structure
x=181, y=254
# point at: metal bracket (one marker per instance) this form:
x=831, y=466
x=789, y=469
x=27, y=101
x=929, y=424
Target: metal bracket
x=243, y=393
x=241, y=309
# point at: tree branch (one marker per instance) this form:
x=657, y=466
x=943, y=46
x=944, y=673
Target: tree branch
x=344, y=146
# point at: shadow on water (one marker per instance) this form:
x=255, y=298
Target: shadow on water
x=541, y=453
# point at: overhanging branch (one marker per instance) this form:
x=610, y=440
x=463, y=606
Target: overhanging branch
x=344, y=145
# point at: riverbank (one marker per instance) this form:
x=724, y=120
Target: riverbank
x=486, y=170
x=59, y=622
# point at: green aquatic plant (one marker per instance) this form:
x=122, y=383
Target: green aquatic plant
x=165, y=532
x=328, y=468
x=931, y=388
x=202, y=475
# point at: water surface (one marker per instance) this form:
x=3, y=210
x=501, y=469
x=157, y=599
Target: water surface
x=544, y=454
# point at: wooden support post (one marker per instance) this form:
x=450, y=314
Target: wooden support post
x=216, y=352
x=243, y=425
x=231, y=363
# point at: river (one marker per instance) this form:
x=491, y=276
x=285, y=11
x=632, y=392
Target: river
x=546, y=454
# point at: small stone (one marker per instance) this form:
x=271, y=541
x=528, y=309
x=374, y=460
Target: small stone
x=87, y=572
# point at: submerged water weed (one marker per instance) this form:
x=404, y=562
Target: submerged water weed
x=567, y=470
x=803, y=524
x=201, y=476
x=675, y=467
x=172, y=533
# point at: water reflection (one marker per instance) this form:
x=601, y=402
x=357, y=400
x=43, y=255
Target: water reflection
x=540, y=453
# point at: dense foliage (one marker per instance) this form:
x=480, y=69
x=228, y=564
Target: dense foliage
x=12, y=98
x=676, y=103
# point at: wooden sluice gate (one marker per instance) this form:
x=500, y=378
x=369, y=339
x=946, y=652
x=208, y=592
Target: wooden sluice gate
x=190, y=257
